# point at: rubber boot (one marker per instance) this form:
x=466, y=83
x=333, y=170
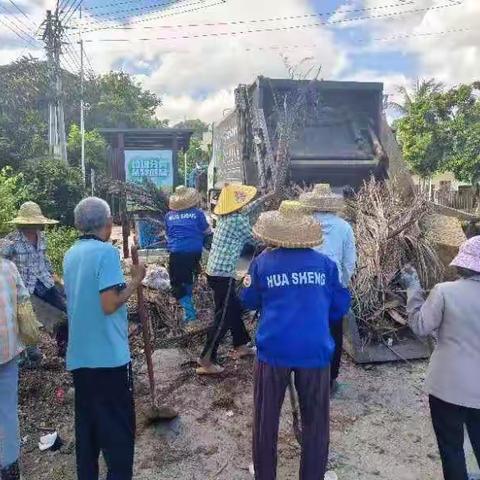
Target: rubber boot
x=189, y=312
x=11, y=472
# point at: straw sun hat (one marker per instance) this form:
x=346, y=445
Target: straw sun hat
x=234, y=197
x=322, y=199
x=289, y=227
x=31, y=214
x=184, y=198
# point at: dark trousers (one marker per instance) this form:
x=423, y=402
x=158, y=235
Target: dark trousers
x=449, y=423
x=313, y=387
x=228, y=316
x=55, y=297
x=182, y=268
x=336, y=330
x=104, y=421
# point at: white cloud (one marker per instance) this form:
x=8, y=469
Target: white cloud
x=196, y=76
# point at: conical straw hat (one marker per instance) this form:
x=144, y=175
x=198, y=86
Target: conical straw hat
x=322, y=199
x=289, y=227
x=184, y=198
x=234, y=197
x=31, y=214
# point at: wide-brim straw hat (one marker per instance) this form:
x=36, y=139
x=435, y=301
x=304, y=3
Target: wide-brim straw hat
x=184, y=198
x=233, y=198
x=289, y=227
x=469, y=255
x=322, y=199
x=31, y=214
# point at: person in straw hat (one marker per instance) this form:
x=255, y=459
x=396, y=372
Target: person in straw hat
x=298, y=293
x=339, y=245
x=186, y=228
x=451, y=312
x=233, y=232
x=26, y=247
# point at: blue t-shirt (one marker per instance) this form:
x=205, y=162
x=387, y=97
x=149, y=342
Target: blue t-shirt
x=298, y=294
x=186, y=230
x=96, y=340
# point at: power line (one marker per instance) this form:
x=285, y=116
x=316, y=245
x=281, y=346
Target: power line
x=25, y=36
x=154, y=6
x=71, y=11
x=259, y=20
x=21, y=11
x=19, y=24
x=275, y=29
x=378, y=39
x=150, y=18
x=117, y=4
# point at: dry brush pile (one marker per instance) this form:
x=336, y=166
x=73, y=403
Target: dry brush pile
x=389, y=236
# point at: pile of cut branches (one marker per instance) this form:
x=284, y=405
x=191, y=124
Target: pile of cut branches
x=388, y=237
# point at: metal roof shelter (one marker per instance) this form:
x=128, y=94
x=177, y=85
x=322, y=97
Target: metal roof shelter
x=122, y=139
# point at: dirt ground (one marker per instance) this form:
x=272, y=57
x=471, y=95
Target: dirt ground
x=380, y=424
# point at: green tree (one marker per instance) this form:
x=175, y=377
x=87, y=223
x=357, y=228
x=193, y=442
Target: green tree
x=59, y=240
x=55, y=186
x=117, y=100
x=198, y=126
x=440, y=130
x=95, y=149
x=420, y=131
x=13, y=194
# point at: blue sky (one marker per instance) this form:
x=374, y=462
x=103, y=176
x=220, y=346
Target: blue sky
x=196, y=75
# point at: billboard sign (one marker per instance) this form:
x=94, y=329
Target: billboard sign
x=155, y=165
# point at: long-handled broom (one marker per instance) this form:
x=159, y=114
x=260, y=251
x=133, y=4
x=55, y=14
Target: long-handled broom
x=156, y=412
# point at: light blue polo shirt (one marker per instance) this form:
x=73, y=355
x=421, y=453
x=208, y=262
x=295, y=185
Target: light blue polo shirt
x=96, y=340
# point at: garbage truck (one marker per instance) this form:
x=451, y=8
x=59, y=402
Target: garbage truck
x=342, y=139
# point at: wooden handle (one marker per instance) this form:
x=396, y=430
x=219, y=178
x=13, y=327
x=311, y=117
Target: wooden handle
x=145, y=329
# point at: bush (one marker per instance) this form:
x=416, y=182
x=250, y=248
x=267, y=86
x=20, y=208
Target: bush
x=59, y=240
x=12, y=195
x=56, y=187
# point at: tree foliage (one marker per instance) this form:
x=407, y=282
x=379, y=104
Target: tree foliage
x=12, y=193
x=117, y=100
x=440, y=129
x=95, y=149
x=55, y=186
x=59, y=240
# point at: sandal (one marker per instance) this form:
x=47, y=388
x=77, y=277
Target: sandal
x=243, y=352
x=213, y=369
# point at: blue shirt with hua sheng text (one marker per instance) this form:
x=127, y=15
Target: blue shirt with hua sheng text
x=185, y=230
x=298, y=294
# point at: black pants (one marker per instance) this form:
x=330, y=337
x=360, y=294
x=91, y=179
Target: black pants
x=336, y=330
x=313, y=387
x=104, y=421
x=182, y=268
x=55, y=297
x=449, y=423
x=228, y=316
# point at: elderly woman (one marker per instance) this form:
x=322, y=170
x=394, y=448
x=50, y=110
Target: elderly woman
x=27, y=248
x=13, y=295
x=298, y=293
x=98, y=352
x=452, y=311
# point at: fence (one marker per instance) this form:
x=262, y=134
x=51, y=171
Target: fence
x=464, y=199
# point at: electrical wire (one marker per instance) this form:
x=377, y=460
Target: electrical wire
x=378, y=39
x=130, y=10
x=117, y=4
x=172, y=10
x=71, y=11
x=18, y=23
x=274, y=29
x=261, y=20
x=22, y=12
x=25, y=36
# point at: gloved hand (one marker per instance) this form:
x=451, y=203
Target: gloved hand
x=409, y=277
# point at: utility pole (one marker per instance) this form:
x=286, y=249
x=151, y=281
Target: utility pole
x=52, y=37
x=82, y=104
